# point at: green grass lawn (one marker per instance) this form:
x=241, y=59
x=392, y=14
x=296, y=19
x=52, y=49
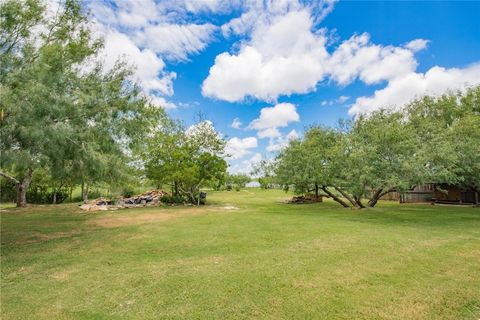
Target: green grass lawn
x=264, y=260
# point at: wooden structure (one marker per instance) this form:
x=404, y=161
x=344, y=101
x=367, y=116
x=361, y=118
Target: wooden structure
x=445, y=193
x=436, y=193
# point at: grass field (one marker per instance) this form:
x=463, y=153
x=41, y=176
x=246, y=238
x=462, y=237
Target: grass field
x=265, y=260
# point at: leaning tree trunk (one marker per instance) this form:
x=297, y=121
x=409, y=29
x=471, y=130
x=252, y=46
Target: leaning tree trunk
x=334, y=197
x=359, y=203
x=346, y=196
x=378, y=195
x=20, y=186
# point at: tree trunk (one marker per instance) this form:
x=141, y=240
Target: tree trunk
x=378, y=194
x=346, y=196
x=54, y=201
x=22, y=187
x=334, y=197
x=359, y=203
x=85, y=192
x=316, y=190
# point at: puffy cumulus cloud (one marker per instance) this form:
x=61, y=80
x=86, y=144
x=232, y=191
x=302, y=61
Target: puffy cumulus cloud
x=283, y=57
x=237, y=148
x=146, y=33
x=149, y=67
x=272, y=118
x=402, y=90
x=357, y=57
x=254, y=12
x=236, y=123
x=245, y=166
x=278, y=143
x=286, y=55
x=161, y=102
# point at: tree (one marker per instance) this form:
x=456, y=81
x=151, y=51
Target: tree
x=237, y=180
x=431, y=140
x=265, y=171
x=186, y=158
x=60, y=108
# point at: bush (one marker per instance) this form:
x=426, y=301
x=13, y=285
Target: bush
x=61, y=196
x=237, y=188
x=8, y=191
x=128, y=192
x=171, y=199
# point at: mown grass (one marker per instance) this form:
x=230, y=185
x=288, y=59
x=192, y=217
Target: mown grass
x=264, y=260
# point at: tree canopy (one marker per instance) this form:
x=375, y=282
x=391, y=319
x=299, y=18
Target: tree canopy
x=431, y=140
x=60, y=109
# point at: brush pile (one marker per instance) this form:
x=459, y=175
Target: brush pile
x=150, y=198
x=308, y=198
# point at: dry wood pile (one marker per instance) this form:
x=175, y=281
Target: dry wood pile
x=308, y=198
x=149, y=198
x=99, y=204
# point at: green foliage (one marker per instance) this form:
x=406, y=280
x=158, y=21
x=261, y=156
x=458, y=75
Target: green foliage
x=236, y=181
x=432, y=140
x=61, y=110
x=186, y=158
x=265, y=171
x=172, y=199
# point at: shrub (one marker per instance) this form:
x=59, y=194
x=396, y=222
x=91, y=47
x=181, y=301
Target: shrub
x=171, y=199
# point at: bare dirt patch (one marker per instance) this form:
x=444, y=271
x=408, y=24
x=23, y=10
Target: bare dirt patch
x=120, y=219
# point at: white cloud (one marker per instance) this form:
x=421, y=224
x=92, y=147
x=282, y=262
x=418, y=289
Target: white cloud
x=417, y=44
x=357, y=57
x=286, y=55
x=272, y=118
x=283, y=57
x=246, y=166
x=237, y=148
x=236, y=123
x=269, y=133
x=400, y=91
x=277, y=144
x=339, y=100
x=149, y=67
x=146, y=33
x=175, y=41
x=161, y=102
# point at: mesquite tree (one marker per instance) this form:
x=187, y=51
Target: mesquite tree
x=431, y=140
x=60, y=109
x=185, y=158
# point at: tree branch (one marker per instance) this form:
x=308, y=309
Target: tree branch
x=334, y=197
x=9, y=177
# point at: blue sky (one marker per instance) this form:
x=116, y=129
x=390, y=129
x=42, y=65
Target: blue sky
x=279, y=66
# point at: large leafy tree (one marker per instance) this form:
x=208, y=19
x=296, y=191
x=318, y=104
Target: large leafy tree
x=185, y=158
x=432, y=140
x=60, y=109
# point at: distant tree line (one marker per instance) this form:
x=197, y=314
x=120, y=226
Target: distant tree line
x=431, y=140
